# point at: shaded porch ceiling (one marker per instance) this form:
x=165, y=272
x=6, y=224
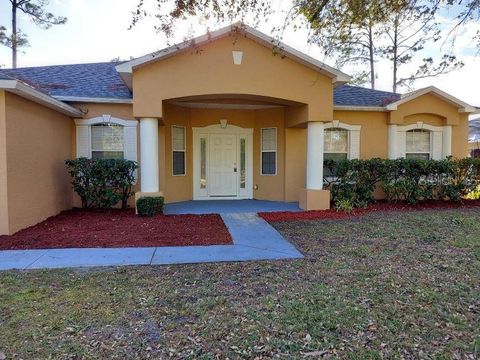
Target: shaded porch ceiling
x=232, y=102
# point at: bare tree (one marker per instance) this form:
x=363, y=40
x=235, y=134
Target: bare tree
x=409, y=28
x=35, y=10
x=350, y=38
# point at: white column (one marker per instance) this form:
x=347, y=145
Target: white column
x=149, y=155
x=392, y=142
x=315, y=156
x=447, y=141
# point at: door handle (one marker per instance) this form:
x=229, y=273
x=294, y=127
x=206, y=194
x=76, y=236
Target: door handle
x=234, y=169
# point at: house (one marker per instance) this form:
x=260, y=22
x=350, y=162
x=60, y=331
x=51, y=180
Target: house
x=228, y=115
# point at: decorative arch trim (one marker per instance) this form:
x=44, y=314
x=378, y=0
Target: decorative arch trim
x=102, y=120
x=422, y=126
x=339, y=124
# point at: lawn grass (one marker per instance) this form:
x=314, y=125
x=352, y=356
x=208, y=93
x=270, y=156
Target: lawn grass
x=386, y=285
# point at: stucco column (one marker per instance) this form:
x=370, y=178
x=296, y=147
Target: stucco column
x=315, y=156
x=313, y=197
x=392, y=141
x=447, y=141
x=149, y=171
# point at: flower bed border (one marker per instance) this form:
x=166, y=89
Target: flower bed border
x=333, y=214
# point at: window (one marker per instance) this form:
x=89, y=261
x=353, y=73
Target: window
x=418, y=144
x=335, y=146
x=203, y=163
x=107, y=141
x=243, y=171
x=269, y=151
x=178, y=146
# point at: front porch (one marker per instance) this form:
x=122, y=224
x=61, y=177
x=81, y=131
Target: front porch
x=233, y=147
x=229, y=207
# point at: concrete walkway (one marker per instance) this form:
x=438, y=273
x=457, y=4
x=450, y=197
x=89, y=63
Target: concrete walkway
x=254, y=239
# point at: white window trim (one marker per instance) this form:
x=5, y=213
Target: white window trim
x=353, y=137
x=348, y=143
x=269, y=151
x=87, y=123
x=430, y=153
x=440, y=135
x=102, y=150
x=184, y=149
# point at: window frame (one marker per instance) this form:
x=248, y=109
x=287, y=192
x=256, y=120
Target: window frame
x=269, y=151
x=184, y=128
x=430, y=135
x=83, y=135
x=337, y=152
x=92, y=150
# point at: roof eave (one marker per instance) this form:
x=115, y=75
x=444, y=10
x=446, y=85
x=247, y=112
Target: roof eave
x=93, y=100
x=23, y=90
x=359, y=108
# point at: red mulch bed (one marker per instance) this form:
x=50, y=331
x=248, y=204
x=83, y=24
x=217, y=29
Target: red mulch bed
x=118, y=228
x=333, y=214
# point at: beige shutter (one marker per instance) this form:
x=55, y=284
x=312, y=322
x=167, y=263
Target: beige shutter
x=437, y=145
x=83, y=141
x=354, y=146
x=401, y=142
x=130, y=142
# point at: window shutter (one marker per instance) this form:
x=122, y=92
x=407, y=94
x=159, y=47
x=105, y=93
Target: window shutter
x=401, y=142
x=130, y=142
x=83, y=141
x=354, y=146
x=437, y=145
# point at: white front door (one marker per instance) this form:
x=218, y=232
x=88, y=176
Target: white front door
x=223, y=165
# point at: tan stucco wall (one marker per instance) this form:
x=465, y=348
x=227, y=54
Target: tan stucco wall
x=4, y=229
x=373, y=134
x=426, y=104
x=295, y=162
x=211, y=70
x=38, y=143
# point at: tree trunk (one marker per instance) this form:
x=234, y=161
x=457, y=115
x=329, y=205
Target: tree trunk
x=395, y=53
x=371, y=59
x=14, y=34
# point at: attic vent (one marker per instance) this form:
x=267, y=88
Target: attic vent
x=237, y=57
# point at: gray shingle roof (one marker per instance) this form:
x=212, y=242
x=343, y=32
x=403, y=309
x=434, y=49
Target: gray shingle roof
x=348, y=95
x=101, y=80
x=98, y=80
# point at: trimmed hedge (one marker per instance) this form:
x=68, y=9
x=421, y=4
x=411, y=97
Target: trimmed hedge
x=102, y=183
x=407, y=180
x=150, y=206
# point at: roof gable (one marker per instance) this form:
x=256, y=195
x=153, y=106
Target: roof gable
x=462, y=106
x=125, y=69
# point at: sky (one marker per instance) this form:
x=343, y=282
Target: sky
x=97, y=31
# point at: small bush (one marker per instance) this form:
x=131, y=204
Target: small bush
x=102, y=183
x=150, y=206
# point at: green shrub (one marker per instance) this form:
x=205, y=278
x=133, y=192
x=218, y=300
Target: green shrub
x=102, y=183
x=150, y=206
x=355, y=180
x=409, y=180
